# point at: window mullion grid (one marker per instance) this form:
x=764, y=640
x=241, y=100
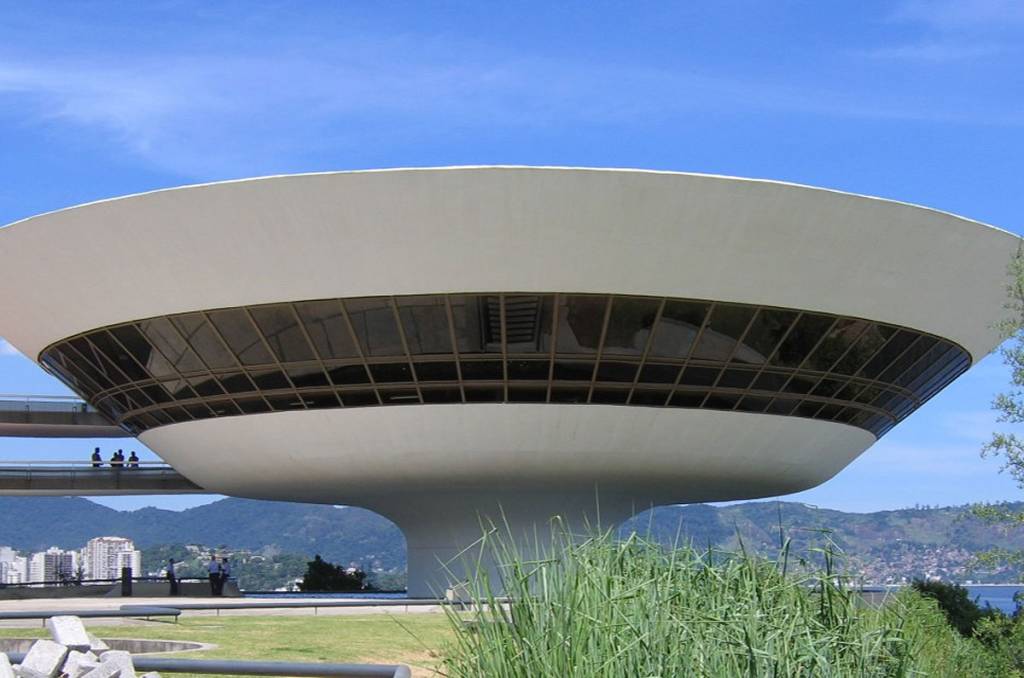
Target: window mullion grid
x=771, y=354
x=554, y=342
x=141, y=367
x=504, y=345
x=116, y=388
x=647, y=348
x=609, y=299
x=316, y=351
x=886, y=387
x=173, y=364
x=732, y=354
x=75, y=373
x=455, y=345
x=800, y=371
x=359, y=350
x=202, y=361
x=867, y=362
x=830, y=369
x=238, y=360
x=906, y=391
x=689, y=354
x=405, y=347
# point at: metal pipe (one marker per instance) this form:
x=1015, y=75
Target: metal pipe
x=255, y=668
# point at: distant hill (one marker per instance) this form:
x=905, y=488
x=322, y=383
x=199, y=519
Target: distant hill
x=883, y=546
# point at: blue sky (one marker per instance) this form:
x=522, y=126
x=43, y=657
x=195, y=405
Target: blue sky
x=917, y=101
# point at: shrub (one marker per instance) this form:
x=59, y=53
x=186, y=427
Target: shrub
x=955, y=602
x=324, y=576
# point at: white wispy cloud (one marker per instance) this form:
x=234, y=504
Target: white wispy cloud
x=936, y=52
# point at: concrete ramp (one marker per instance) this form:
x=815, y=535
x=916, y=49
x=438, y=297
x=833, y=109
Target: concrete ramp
x=24, y=416
x=65, y=478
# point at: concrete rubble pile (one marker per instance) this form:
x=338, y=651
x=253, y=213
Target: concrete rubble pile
x=72, y=653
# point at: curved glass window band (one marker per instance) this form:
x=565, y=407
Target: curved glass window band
x=505, y=347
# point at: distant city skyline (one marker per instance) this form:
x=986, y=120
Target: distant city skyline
x=906, y=100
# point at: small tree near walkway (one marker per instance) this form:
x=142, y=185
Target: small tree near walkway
x=324, y=576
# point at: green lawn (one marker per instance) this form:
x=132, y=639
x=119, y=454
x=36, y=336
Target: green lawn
x=412, y=639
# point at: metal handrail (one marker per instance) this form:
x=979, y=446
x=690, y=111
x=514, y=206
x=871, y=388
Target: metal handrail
x=12, y=464
x=37, y=398
x=255, y=668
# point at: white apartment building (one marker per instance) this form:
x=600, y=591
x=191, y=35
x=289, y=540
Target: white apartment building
x=13, y=568
x=103, y=557
x=53, y=564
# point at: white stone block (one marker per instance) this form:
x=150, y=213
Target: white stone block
x=6, y=670
x=151, y=674
x=104, y=670
x=43, y=660
x=79, y=663
x=122, y=660
x=97, y=645
x=69, y=631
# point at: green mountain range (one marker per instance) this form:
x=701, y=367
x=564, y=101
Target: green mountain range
x=885, y=546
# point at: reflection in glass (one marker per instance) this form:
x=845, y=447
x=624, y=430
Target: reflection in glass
x=281, y=329
x=327, y=328
x=528, y=323
x=629, y=325
x=241, y=337
x=580, y=319
x=374, y=324
x=425, y=323
x=722, y=333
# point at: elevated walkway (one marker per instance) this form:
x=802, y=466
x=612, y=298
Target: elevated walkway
x=26, y=416
x=63, y=478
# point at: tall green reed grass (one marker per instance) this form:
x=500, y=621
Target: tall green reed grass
x=602, y=606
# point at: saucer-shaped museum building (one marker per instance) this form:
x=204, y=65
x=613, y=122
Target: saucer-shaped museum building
x=434, y=344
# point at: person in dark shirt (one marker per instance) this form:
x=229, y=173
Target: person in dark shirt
x=117, y=461
x=172, y=577
x=97, y=460
x=133, y=460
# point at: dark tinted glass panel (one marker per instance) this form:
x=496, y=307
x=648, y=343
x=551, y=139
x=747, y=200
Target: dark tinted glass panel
x=687, y=398
x=359, y=398
x=223, y=408
x=118, y=355
x=721, y=401
x=567, y=370
x=477, y=394
x=836, y=342
x=659, y=374
x=198, y=410
x=616, y=371
x=863, y=349
x=375, y=326
x=442, y=395
x=929, y=364
x=478, y=370
x=528, y=369
x=828, y=388
x=807, y=408
x=680, y=321
x=319, y=400
x=719, y=339
x=569, y=394
x=285, y=402
x=528, y=323
x=252, y=405
x=236, y=383
x=391, y=372
x=527, y=394
x=610, y=396
x=781, y=406
x=327, y=328
x=649, y=397
x=179, y=389
x=241, y=336
x=205, y=386
x=203, y=340
x=736, y=378
x=268, y=380
x=152, y=362
x=169, y=342
x=801, y=384
x=765, y=335
x=828, y=412
x=477, y=322
x=580, y=320
x=156, y=393
x=436, y=372
x=281, y=329
x=892, y=350
x=304, y=376
x=630, y=325
x=802, y=339
x=343, y=375
x=753, y=404
x=699, y=376
x=425, y=323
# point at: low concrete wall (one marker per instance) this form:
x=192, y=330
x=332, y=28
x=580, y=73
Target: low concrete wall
x=186, y=589
x=44, y=592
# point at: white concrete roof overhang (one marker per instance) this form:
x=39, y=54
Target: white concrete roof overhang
x=502, y=229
